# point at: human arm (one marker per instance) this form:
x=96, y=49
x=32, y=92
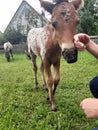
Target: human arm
x=82, y=41
x=90, y=107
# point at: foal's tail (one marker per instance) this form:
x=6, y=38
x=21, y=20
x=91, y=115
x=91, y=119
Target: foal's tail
x=28, y=54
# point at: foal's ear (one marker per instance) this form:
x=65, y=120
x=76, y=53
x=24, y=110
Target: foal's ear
x=48, y=6
x=78, y=4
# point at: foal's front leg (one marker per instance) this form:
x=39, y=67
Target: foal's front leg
x=56, y=75
x=49, y=81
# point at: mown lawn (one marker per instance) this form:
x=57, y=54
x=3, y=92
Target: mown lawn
x=24, y=108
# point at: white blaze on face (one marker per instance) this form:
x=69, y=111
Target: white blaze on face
x=66, y=46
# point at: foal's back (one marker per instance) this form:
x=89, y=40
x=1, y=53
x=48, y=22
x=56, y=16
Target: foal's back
x=40, y=40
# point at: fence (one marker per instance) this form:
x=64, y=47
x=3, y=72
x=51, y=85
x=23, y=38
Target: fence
x=94, y=38
x=20, y=48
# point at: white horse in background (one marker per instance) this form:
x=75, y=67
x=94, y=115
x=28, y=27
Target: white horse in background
x=8, y=50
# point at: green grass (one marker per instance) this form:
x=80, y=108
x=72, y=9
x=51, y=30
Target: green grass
x=24, y=108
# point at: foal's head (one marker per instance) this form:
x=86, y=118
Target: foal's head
x=64, y=20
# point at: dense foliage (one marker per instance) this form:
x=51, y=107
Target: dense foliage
x=2, y=38
x=13, y=36
x=88, y=19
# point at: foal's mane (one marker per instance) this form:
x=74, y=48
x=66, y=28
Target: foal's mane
x=60, y=1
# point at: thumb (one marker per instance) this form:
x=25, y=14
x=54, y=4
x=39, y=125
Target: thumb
x=76, y=39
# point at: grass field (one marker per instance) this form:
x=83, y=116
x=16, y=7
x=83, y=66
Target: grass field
x=24, y=108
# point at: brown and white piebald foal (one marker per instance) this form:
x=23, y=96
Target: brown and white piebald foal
x=52, y=40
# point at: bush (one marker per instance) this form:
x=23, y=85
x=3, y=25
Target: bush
x=88, y=20
x=15, y=37
x=2, y=39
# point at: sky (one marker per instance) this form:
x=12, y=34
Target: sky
x=9, y=7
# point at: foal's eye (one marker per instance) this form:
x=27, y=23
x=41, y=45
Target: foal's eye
x=54, y=24
x=63, y=13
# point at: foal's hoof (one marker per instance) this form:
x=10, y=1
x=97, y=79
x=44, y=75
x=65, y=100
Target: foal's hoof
x=54, y=109
x=36, y=86
x=47, y=98
x=45, y=88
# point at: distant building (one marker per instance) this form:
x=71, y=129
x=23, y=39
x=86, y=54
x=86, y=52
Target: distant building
x=25, y=18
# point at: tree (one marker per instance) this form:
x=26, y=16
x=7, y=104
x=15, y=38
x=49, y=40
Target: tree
x=2, y=39
x=88, y=20
x=15, y=37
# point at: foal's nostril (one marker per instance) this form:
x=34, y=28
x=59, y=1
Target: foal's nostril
x=62, y=52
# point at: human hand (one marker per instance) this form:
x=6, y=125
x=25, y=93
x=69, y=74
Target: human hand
x=90, y=107
x=81, y=40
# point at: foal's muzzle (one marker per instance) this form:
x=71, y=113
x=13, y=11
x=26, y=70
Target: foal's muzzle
x=70, y=55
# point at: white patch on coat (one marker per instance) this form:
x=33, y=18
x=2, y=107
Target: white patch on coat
x=37, y=40
x=7, y=46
